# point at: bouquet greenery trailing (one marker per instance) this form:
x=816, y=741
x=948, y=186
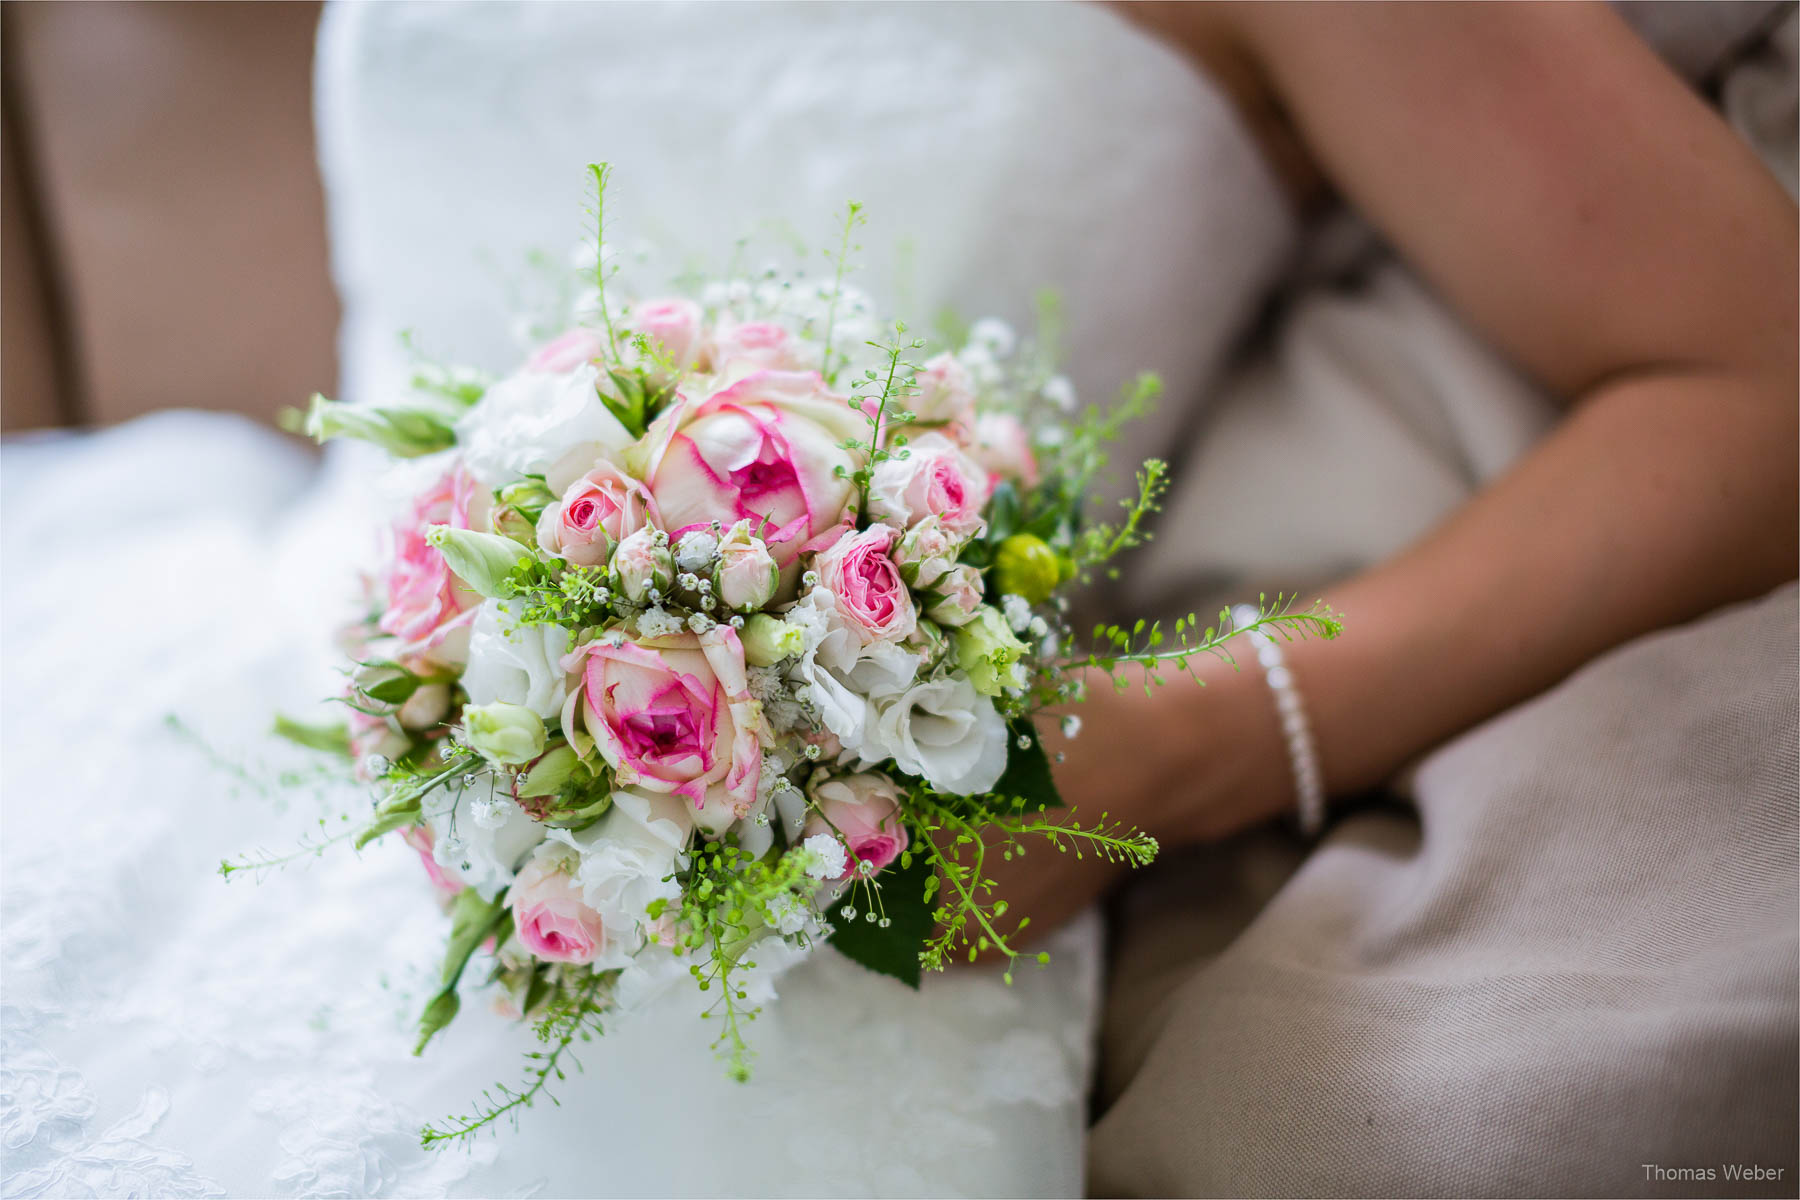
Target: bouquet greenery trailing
x=725, y=627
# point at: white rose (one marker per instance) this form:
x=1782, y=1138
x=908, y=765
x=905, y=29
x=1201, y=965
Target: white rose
x=514, y=663
x=535, y=423
x=496, y=835
x=627, y=857
x=943, y=731
x=839, y=674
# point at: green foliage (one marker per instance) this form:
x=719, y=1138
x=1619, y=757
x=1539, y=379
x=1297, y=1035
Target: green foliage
x=853, y=216
x=406, y=427
x=473, y=919
x=572, y=1014
x=1027, y=780
x=1144, y=645
x=881, y=922
x=328, y=737
x=556, y=593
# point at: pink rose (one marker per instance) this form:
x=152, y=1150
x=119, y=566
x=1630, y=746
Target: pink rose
x=769, y=448
x=420, y=838
x=1003, y=449
x=946, y=393
x=864, y=810
x=671, y=714
x=866, y=585
x=760, y=345
x=566, y=351
x=428, y=608
x=675, y=326
x=936, y=479
x=597, y=511
x=552, y=920
x=746, y=576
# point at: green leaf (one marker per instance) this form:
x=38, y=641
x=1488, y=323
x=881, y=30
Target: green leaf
x=472, y=919
x=332, y=737
x=397, y=812
x=892, y=951
x=1003, y=512
x=1027, y=775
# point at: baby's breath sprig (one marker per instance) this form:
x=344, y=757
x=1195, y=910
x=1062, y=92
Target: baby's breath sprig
x=571, y=1015
x=311, y=845
x=1144, y=645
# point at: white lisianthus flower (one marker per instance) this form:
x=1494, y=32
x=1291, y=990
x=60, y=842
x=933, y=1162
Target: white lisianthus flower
x=493, y=836
x=839, y=675
x=516, y=664
x=627, y=857
x=943, y=731
x=538, y=423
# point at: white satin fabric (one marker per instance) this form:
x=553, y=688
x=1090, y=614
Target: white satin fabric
x=168, y=1033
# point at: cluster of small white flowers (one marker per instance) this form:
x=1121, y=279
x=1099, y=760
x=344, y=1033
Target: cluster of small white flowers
x=827, y=853
x=657, y=622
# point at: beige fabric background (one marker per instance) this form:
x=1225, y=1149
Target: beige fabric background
x=1580, y=958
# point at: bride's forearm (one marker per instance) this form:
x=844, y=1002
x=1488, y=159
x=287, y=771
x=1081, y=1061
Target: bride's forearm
x=1660, y=497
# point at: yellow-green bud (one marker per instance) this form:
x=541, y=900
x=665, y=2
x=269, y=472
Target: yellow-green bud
x=1025, y=565
x=767, y=640
x=988, y=652
x=504, y=733
x=509, y=521
x=529, y=496
x=480, y=560
x=549, y=774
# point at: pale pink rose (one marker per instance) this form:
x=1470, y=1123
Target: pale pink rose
x=864, y=810
x=866, y=586
x=596, y=512
x=421, y=838
x=956, y=596
x=671, y=714
x=759, y=345
x=428, y=608
x=566, y=351
x=926, y=552
x=946, y=394
x=549, y=914
x=675, y=325
x=768, y=448
x=934, y=479
x=1003, y=449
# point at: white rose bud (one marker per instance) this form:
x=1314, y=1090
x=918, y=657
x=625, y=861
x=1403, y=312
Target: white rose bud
x=747, y=574
x=956, y=596
x=642, y=562
x=926, y=552
x=504, y=733
x=767, y=640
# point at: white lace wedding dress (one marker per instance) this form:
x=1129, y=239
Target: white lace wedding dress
x=168, y=1034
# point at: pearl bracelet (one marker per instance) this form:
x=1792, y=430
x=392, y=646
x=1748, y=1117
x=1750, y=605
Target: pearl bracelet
x=1303, y=756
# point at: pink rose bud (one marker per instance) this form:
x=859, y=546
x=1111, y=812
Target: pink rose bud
x=551, y=918
x=946, y=393
x=926, y=552
x=674, y=326
x=747, y=575
x=934, y=478
x=599, y=509
x=1003, y=449
x=867, y=587
x=956, y=596
x=642, y=564
x=864, y=810
x=566, y=351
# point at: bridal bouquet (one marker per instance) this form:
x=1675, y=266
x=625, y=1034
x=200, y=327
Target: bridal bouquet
x=722, y=627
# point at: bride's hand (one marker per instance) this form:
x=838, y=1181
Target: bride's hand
x=1185, y=764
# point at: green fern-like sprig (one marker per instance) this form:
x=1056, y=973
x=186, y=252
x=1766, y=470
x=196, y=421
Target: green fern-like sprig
x=1147, y=647
x=570, y=1016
